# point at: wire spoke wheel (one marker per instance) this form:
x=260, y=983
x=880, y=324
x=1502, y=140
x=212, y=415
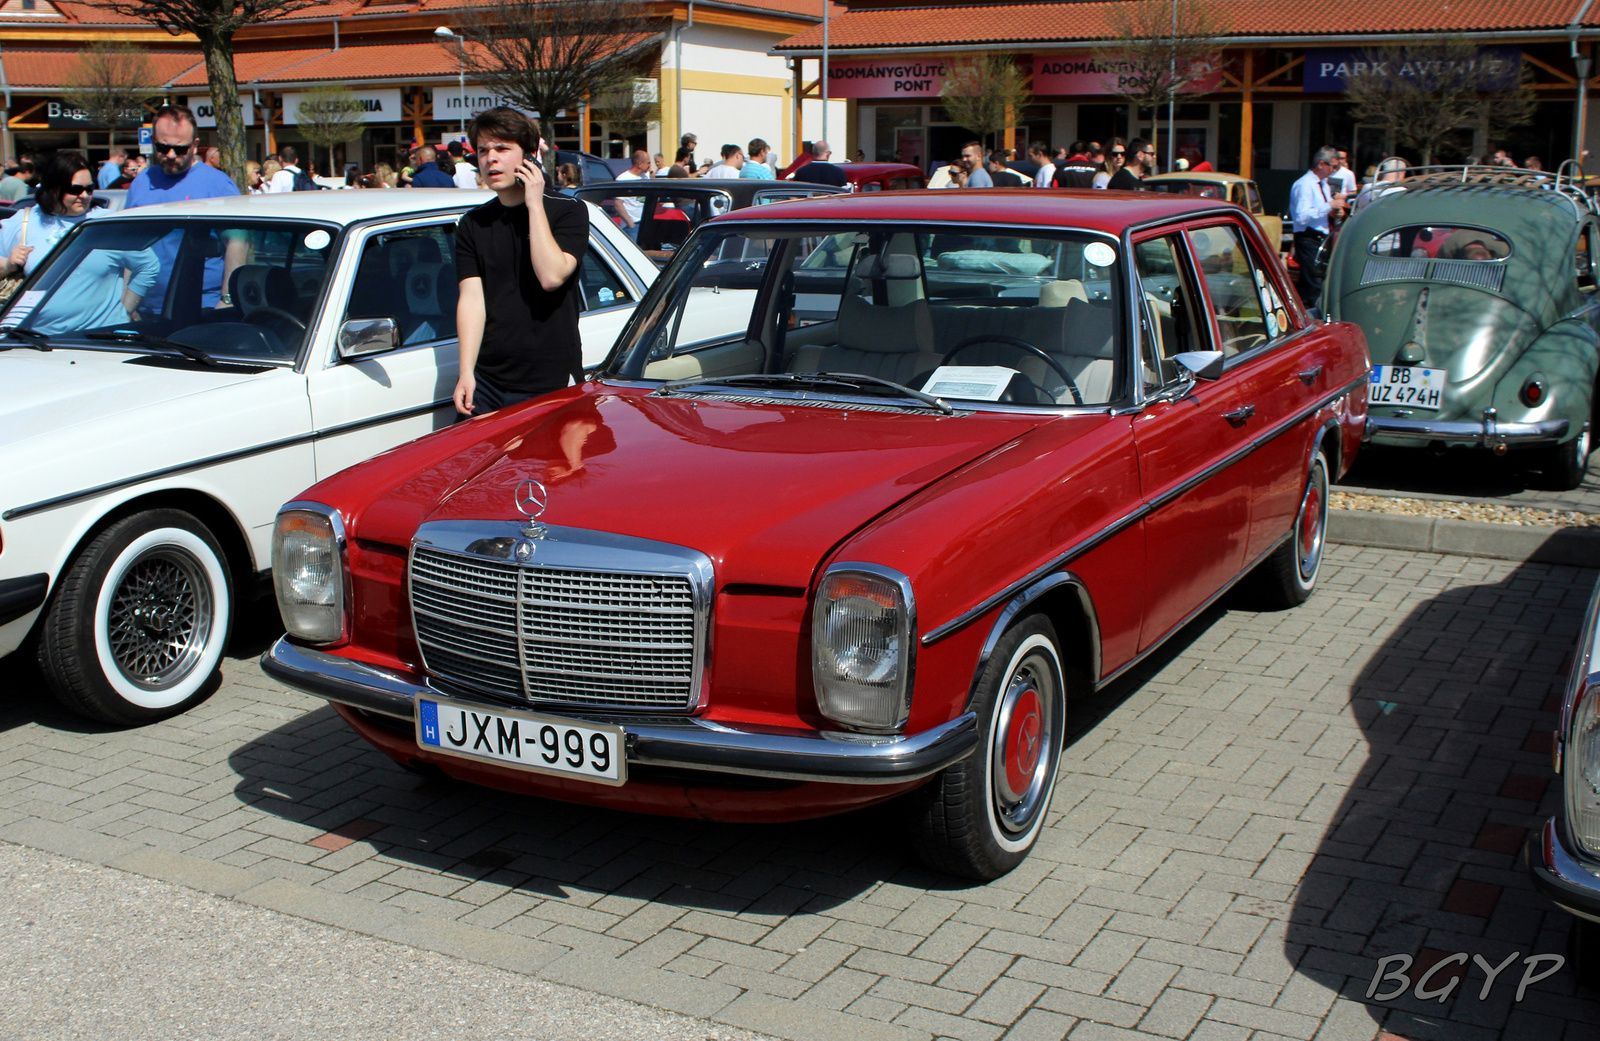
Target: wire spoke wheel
x=160, y=617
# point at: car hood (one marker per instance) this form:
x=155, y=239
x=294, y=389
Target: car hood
x=764, y=489
x=45, y=394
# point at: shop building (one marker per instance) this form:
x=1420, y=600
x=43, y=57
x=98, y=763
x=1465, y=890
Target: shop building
x=1277, y=93
x=710, y=64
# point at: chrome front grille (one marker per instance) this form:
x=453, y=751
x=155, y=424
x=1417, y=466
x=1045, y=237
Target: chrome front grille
x=573, y=635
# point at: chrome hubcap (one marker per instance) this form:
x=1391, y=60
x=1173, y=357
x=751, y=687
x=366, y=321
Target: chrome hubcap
x=160, y=618
x=1024, y=735
x=1312, y=522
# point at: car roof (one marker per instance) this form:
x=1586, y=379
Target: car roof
x=865, y=170
x=1199, y=175
x=1096, y=210
x=337, y=206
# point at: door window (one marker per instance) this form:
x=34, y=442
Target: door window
x=602, y=287
x=1244, y=301
x=409, y=276
x=1167, y=310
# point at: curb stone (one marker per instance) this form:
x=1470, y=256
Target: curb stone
x=1579, y=547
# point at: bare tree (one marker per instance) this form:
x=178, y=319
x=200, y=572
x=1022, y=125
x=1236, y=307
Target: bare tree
x=545, y=56
x=1427, y=93
x=330, y=116
x=629, y=112
x=110, y=83
x=1163, y=48
x=985, y=93
x=214, y=23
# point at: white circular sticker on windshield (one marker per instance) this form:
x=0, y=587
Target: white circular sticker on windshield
x=1099, y=254
x=319, y=239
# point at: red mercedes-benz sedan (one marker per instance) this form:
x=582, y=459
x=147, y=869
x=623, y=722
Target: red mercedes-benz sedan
x=867, y=492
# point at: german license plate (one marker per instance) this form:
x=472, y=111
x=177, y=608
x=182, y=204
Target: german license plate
x=522, y=740
x=1408, y=385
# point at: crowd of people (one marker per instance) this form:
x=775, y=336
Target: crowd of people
x=1118, y=164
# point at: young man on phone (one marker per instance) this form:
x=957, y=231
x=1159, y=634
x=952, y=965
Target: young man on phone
x=517, y=258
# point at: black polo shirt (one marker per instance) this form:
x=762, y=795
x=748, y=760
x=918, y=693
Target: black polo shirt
x=530, y=334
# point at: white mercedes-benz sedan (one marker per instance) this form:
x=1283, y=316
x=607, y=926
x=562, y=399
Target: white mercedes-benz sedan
x=171, y=375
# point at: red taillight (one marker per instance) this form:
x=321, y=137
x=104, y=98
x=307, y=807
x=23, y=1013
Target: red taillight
x=1533, y=392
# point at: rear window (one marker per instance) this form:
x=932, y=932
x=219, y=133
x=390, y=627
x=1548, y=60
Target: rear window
x=1441, y=242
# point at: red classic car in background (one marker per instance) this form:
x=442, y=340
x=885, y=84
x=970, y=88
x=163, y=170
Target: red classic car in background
x=945, y=464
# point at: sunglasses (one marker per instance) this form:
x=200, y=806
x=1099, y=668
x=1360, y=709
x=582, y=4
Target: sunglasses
x=78, y=189
x=1119, y=151
x=161, y=149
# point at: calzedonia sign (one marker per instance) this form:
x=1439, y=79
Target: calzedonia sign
x=373, y=106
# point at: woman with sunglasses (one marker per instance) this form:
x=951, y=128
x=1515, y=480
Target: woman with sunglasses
x=64, y=195
x=1116, y=154
x=103, y=288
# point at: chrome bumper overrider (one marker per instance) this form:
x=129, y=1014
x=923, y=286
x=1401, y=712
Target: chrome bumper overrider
x=683, y=742
x=1560, y=875
x=1488, y=432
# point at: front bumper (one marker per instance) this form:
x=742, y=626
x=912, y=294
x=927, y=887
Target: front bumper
x=1559, y=874
x=685, y=743
x=1488, y=432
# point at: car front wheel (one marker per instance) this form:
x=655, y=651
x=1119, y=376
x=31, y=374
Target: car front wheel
x=137, y=624
x=979, y=818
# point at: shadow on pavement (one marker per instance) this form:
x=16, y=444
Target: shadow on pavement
x=1423, y=857
x=314, y=770
x=1465, y=474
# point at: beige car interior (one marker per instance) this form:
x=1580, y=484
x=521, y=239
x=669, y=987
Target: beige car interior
x=886, y=327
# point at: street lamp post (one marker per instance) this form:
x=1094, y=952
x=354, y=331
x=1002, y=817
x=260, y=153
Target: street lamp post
x=1172, y=92
x=444, y=33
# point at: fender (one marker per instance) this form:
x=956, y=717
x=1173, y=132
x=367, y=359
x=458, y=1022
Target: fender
x=1026, y=598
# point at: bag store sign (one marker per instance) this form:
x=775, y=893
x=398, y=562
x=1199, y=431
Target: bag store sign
x=1327, y=67
x=887, y=79
x=62, y=116
x=373, y=106
x=205, y=113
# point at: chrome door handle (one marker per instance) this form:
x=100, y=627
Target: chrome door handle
x=1239, y=415
x=1310, y=376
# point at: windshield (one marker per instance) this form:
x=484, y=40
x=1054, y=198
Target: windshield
x=1020, y=318
x=155, y=279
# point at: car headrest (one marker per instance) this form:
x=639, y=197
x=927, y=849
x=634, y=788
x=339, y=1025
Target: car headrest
x=422, y=289
x=902, y=329
x=261, y=285
x=1062, y=292
x=891, y=265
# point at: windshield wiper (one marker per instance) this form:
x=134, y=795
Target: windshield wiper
x=38, y=341
x=851, y=380
x=131, y=336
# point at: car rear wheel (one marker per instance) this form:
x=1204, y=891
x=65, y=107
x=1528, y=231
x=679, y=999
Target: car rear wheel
x=1288, y=577
x=137, y=624
x=979, y=818
x=1568, y=463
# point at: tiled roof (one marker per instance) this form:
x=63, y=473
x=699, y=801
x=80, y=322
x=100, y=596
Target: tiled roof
x=255, y=66
x=88, y=12
x=48, y=67
x=372, y=61
x=1077, y=21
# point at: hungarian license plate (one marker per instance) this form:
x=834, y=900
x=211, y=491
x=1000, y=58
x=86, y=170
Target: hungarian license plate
x=523, y=740
x=1408, y=385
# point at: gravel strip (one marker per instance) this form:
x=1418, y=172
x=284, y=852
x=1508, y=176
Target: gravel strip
x=88, y=952
x=1527, y=516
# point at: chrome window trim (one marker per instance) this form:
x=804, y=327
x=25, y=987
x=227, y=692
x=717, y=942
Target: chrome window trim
x=346, y=600
x=1511, y=247
x=578, y=549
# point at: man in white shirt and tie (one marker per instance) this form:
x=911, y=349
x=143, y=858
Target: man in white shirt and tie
x=1311, y=203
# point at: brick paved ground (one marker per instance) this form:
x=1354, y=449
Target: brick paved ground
x=1463, y=476
x=1241, y=831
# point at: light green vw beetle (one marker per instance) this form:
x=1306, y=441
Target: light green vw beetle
x=1477, y=293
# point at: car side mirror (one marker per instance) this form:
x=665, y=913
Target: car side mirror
x=360, y=337
x=1202, y=365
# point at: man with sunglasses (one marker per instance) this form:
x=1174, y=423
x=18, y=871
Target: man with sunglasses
x=174, y=177
x=1137, y=163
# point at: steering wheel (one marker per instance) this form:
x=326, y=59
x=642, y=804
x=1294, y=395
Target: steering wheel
x=268, y=311
x=1012, y=341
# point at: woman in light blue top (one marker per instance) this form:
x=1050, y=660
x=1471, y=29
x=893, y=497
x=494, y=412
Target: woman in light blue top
x=106, y=286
